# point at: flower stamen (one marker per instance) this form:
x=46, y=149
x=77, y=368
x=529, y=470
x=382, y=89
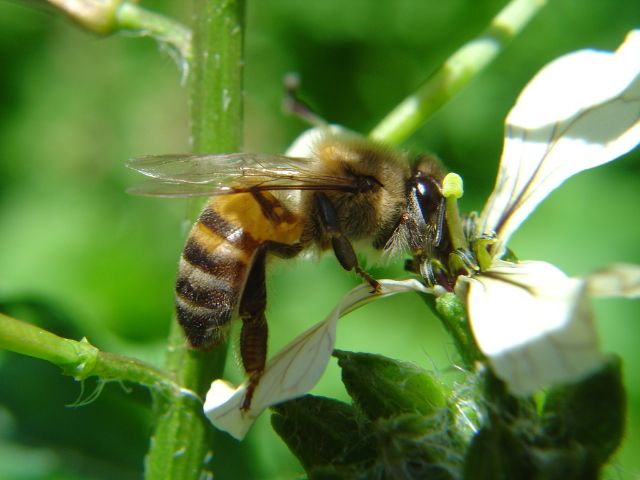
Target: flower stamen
x=452, y=190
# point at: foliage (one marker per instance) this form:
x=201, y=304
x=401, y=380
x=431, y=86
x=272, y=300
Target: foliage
x=404, y=424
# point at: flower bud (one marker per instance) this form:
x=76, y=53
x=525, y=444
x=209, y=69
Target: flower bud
x=98, y=16
x=382, y=387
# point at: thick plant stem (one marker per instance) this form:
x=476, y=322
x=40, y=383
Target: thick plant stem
x=455, y=73
x=181, y=443
x=216, y=83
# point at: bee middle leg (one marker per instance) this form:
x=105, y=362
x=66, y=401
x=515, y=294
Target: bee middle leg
x=341, y=245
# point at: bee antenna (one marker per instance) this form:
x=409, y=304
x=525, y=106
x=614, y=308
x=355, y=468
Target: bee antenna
x=292, y=104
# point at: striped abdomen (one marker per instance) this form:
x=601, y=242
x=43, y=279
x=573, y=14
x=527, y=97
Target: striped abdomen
x=218, y=258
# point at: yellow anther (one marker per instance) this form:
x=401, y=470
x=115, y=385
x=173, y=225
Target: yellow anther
x=452, y=186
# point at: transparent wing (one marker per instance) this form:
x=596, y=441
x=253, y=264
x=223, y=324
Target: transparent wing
x=219, y=174
x=216, y=168
x=173, y=190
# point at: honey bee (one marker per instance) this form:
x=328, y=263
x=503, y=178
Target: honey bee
x=336, y=189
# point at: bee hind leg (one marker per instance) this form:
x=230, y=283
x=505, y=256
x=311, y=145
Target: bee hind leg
x=254, y=333
x=253, y=351
x=341, y=245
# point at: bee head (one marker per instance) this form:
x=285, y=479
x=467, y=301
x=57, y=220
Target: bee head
x=426, y=233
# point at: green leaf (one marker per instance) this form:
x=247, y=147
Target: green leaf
x=591, y=412
x=333, y=440
x=414, y=446
x=382, y=387
x=497, y=453
x=574, y=463
x=321, y=431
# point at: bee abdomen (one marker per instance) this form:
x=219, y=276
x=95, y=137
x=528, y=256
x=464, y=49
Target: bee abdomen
x=211, y=276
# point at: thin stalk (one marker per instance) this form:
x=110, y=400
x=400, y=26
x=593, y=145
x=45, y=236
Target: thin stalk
x=181, y=443
x=455, y=73
x=80, y=359
x=166, y=31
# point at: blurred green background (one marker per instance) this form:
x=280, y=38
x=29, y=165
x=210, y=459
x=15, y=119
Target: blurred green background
x=82, y=258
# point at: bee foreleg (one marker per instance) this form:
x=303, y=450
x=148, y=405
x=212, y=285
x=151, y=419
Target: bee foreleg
x=341, y=245
x=254, y=333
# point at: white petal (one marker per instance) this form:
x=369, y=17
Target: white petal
x=619, y=280
x=580, y=111
x=296, y=368
x=534, y=325
x=222, y=407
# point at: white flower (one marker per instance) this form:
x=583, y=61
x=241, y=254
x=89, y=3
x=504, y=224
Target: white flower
x=531, y=321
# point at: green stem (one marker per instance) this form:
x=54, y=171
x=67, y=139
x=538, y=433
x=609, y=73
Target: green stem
x=81, y=359
x=182, y=439
x=456, y=72
x=133, y=18
x=453, y=315
x=216, y=84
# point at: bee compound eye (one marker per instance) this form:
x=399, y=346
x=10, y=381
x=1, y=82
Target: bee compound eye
x=428, y=195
